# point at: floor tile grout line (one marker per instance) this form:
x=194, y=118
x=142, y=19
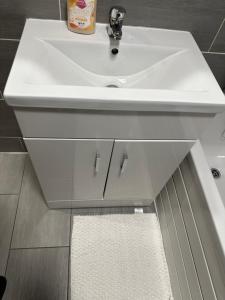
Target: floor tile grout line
x=18, y=200
x=4, y=194
x=70, y=233
x=216, y=35
x=10, y=137
x=213, y=52
x=60, y=12
x=9, y=40
x=14, y=152
x=39, y=247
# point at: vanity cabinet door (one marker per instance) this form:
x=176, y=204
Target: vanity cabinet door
x=140, y=169
x=70, y=169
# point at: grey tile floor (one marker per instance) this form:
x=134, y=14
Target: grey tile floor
x=34, y=240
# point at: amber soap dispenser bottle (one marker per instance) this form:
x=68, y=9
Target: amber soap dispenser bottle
x=82, y=15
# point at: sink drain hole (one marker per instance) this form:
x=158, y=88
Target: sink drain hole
x=215, y=173
x=112, y=86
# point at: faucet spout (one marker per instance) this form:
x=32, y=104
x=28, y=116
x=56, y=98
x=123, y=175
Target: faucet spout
x=116, y=18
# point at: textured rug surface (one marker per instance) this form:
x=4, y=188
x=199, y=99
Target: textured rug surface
x=118, y=257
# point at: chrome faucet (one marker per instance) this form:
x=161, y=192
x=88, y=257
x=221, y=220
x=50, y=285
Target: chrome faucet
x=116, y=17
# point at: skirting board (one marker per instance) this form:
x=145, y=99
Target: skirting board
x=97, y=203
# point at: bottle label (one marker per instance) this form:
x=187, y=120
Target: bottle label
x=81, y=13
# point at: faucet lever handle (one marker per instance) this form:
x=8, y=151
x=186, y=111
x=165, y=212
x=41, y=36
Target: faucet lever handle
x=117, y=14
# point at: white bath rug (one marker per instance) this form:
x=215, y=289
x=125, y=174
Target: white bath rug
x=118, y=257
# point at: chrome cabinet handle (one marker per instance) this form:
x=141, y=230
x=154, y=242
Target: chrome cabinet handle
x=123, y=164
x=97, y=162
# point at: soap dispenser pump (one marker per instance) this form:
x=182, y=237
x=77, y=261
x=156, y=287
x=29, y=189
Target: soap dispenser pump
x=82, y=15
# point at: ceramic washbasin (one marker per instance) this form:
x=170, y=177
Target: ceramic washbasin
x=155, y=69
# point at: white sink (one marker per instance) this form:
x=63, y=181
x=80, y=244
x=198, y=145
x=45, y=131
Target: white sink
x=155, y=69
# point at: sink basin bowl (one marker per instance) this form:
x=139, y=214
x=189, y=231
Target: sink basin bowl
x=93, y=64
x=155, y=69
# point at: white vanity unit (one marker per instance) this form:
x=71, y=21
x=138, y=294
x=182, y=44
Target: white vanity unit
x=92, y=145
